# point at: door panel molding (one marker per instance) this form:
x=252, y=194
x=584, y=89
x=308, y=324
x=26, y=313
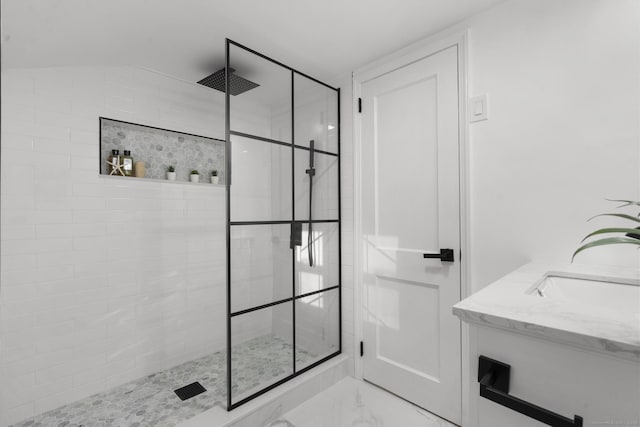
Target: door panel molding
x=387, y=64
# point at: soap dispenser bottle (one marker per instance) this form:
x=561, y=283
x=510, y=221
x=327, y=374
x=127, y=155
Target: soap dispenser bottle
x=127, y=163
x=113, y=162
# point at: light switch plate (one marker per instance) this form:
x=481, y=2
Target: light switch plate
x=478, y=108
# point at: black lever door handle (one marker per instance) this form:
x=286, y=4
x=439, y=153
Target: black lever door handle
x=445, y=255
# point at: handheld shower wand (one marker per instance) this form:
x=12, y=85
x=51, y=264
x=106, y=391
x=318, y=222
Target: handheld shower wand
x=311, y=172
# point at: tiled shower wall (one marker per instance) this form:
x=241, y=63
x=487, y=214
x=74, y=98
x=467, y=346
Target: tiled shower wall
x=108, y=279
x=103, y=279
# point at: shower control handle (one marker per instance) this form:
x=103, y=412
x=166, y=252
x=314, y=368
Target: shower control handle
x=445, y=255
x=296, y=235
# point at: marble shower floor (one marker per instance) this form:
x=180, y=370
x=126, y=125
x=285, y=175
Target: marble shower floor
x=352, y=402
x=150, y=401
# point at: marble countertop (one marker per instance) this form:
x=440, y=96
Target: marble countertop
x=507, y=304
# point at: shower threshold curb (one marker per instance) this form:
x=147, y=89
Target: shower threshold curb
x=265, y=409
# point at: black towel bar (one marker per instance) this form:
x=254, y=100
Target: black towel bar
x=494, y=377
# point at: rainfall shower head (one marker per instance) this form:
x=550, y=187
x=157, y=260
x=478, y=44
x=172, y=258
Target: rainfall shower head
x=238, y=84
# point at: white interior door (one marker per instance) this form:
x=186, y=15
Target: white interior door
x=410, y=167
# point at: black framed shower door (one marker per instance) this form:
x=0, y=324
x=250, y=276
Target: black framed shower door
x=284, y=297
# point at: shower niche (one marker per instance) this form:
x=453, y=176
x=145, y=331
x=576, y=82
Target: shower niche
x=283, y=223
x=157, y=150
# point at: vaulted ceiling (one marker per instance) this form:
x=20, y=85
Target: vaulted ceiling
x=185, y=38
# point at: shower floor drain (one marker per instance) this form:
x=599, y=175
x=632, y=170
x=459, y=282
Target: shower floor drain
x=190, y=390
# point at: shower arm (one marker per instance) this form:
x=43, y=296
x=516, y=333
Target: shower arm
x=311, y=172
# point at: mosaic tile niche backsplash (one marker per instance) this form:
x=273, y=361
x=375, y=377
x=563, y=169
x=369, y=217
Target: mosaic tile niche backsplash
x=159, y=148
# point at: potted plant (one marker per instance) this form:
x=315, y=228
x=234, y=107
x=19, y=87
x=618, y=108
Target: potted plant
x=622, y=235
x=214, y=177
x=171, y=173
x=195, y=176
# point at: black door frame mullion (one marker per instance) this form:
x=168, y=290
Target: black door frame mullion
x=227, y=156
x=293, y=218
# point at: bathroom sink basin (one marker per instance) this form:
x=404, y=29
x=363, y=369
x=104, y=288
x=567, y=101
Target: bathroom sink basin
x=614, y=294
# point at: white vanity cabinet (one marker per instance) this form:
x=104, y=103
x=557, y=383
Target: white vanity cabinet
x=554, y=342
x=603, y=389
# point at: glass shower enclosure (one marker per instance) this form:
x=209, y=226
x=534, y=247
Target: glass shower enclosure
x=283, y=223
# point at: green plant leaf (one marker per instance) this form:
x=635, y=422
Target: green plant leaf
x=625, y=216
x=607, y=241
x=626, y=202
x=612, y=230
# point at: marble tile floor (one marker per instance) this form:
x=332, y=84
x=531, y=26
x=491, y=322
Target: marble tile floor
x=151, y=401
x=352, y=402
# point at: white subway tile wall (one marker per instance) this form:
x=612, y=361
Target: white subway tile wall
x=107, y=279
x=104, y=279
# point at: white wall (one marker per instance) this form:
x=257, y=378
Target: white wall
x=562, y=135
x=104, y=279
x=347, y=218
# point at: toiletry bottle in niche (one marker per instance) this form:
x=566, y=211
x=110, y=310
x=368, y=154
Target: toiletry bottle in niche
x=127, y=163
x=114, y=160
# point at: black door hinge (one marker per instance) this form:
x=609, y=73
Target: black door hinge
x=361, y=348
x=359, y=105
